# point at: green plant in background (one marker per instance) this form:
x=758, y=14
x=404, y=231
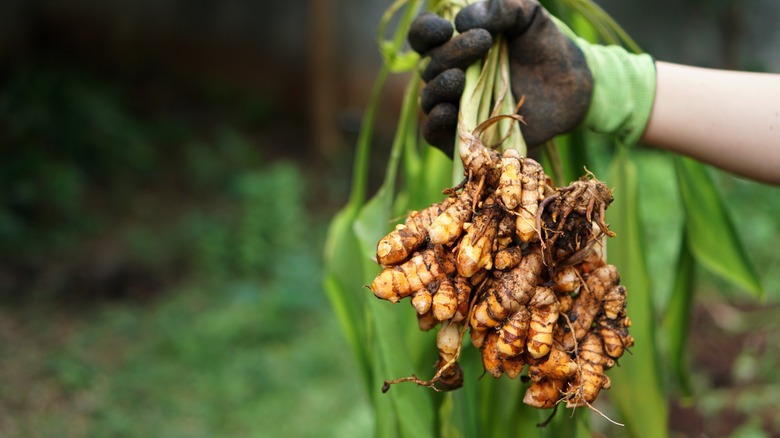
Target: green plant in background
x=238, y=345
x=80, y=166
x=385, y=339
x=55, y=124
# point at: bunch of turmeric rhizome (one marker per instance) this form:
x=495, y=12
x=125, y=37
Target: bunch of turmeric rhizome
x=521, y=264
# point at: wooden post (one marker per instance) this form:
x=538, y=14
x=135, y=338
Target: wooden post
x=322, y=83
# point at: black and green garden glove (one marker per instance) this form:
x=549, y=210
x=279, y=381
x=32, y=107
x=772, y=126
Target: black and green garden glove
x=565, y=81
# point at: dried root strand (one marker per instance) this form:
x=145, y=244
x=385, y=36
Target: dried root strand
x=449, y=374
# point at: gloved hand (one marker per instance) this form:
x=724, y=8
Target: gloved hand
x=431, y=35
x=565, y=80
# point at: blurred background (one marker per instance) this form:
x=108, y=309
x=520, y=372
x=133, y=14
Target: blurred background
x=167, y=172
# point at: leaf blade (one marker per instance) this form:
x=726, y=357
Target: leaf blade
x=677, y=316
x=712, y=236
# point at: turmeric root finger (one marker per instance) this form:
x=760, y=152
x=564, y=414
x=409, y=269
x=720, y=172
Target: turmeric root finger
x=590, y=379
x=544, y=394
x=588, y=303
x=544, y=314
x=408, y=237
x=397, y=282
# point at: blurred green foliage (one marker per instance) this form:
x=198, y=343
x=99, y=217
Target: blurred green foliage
x=78, y=164
x=236, y=340
x=62, y=134
x=233, y=360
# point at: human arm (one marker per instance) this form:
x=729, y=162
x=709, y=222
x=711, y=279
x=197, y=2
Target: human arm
x=728, y=119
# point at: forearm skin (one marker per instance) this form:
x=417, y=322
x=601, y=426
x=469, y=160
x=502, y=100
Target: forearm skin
x=728, y=119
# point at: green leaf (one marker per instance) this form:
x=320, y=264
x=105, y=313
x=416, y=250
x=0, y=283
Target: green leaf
x=503, y=413
x=636, y=384
x=677, y=317
x=411, y=404
x=452, y=424
x=410, y=410
x=344, y=288
x=572, y=156
x=373, y=222
x=574, y=424
x=459, y=412
x=397, y=348
x=712, y=238
x=342, y=249
x=435, y=178
x=487, y=407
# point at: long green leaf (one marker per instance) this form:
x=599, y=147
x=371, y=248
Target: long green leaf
x=503, y=406
x=344, y=288
x=374, y=219
x=574, y=424
x=412, y=405
x=410, y=410
x=461, y=409
x=676, y=318
x=636, y=383
x=341, y=252
x=394, y=355
x=712, y=238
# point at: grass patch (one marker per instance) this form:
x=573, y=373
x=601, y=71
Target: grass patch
x=204, y=361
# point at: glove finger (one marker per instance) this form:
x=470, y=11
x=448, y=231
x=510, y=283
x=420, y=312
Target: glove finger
x=447, y=87
x=498, y=16
x=459, y=52
x=440, y=127
x=427, y=31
